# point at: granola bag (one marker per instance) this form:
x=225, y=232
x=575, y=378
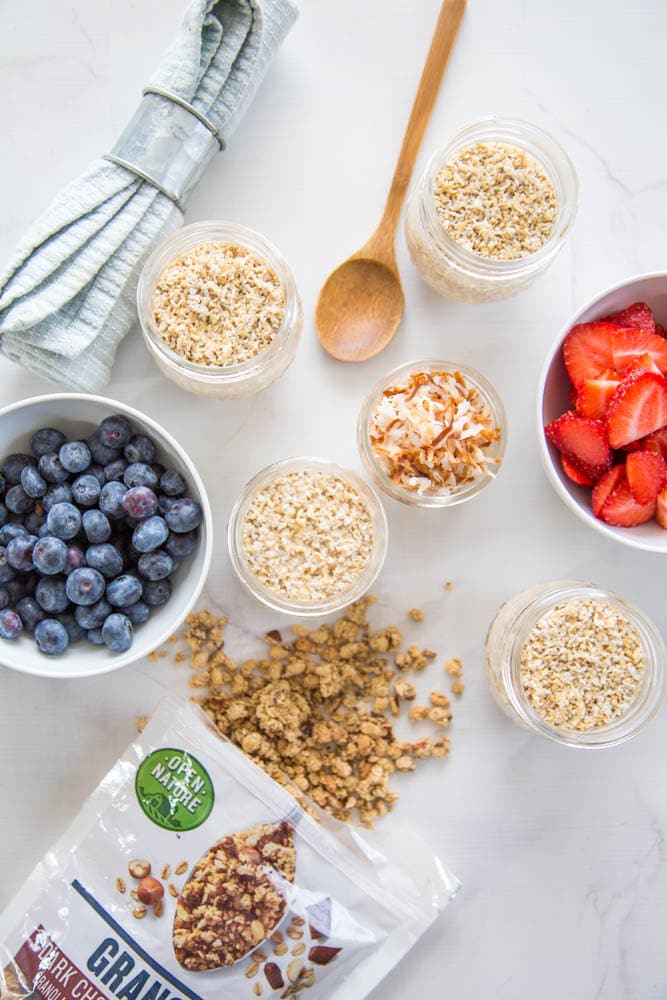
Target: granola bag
x=189, y=873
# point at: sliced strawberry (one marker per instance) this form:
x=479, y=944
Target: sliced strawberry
x=639, y=314
x=645, y=471
x=657, y=441
x=573, y=473
x=637, y=408
x=605, y=486
x=594, y=395
x=573, y=397
x=660, y=330
x=643, y=364
x=583, y=441
x=661, y=509
x=627, y=345
x=622, y=510
x=587, y=350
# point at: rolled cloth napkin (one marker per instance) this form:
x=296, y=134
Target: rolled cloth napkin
x=67, y=298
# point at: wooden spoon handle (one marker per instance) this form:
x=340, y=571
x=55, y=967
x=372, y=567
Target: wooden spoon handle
x=444, y=36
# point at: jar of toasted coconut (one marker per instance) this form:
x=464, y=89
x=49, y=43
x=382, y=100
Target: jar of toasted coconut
x=575, y=663
x=432, y=433
x=491, y=210
x=219, y=310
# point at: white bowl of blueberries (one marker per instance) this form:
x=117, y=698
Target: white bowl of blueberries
x=105, y=535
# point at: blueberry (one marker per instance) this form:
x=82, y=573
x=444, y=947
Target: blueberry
x=155, y=565
x=100, y=452
x=51, y=469
x=94, y=615
x=75, y=633
x=46, y=440
x=117, y=633
x=138, y=613
x=4, y=514
x=181, y=546
x=33, y=522
x=96, y=526
x=30, y=611
x=17, y=590
x=173, y=484
x=150, y=534
x=64, y=520
x=124, y=590
x=32, y=482
x=6, y=571
x=140, y=502
x=106, y=559
x=140, y=474
x=184, y=515
x=19, y=552
x=115, y=431
x=75, y=558
x=111, y=500
x=86, y=490
x=29, y=583
x=156, y=592
x=115, y=470
x=74, y=456
x=11, y=625
x=95, y=636
x=97, y=471
x=3, y=485
x=43, y=531
x=85, y=586
x=140, y=449
x=51, y=594
x=57, y=493
x=18, y=501
x=4, y=598
x=14, y=465
x=9, y=531
x=51, y=637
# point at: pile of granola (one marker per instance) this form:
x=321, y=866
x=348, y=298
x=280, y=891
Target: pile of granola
x=316, y=712
x=432, y=433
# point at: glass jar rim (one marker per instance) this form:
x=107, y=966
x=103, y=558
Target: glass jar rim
x=645, y=705
x=269, y=597
x=212, y=231
x=375, y=469
x=552, y=157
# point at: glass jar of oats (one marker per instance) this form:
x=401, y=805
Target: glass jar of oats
x=491, y=210
x=307, y=537
x=219, y=310
x=575, y=663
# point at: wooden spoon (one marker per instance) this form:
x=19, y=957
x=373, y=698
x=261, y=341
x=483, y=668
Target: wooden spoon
x=361, y=302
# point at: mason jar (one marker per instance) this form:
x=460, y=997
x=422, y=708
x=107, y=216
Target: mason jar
x=220, y=381
x=446, y=264
x=508, y=633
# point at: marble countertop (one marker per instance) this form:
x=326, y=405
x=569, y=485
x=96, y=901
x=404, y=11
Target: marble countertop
x=561, y=853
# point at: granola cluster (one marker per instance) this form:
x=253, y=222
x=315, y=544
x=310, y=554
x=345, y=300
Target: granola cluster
x=316, y=712
x=235, y=897
x=433, y=433
x=219, y=304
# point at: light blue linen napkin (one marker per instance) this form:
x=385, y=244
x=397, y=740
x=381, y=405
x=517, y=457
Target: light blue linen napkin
x=67, y=297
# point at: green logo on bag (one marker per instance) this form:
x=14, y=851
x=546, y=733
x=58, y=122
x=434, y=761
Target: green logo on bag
x=174, y=789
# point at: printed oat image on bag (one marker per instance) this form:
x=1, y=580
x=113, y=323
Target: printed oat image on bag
x=190, y=874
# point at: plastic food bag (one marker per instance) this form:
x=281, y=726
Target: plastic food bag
x=189, y=873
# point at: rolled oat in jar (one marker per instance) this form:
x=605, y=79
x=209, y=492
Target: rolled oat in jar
x=491, y=210
x=190, y=874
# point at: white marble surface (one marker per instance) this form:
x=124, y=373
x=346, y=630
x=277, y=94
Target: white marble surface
x=562, y=853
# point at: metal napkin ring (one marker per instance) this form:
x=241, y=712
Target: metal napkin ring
x=168, y=143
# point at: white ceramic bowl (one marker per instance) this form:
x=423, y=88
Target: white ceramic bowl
x=77, y=416
x=553, y=398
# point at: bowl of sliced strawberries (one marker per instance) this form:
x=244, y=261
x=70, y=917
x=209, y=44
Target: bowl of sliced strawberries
x=602, y=413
